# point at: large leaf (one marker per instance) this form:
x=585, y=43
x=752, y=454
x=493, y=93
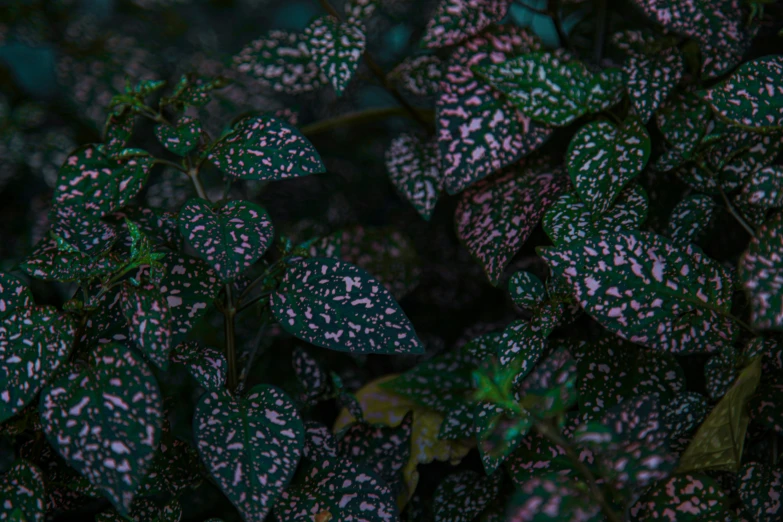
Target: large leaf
x=462, y=496
x=336, y=305
x=336, y=47
x=251, y=445
x=231, y=239
x=414, y=169
x=105, y=421
x=455, y=20
x=765, y=187
x=265, y=148
x=496, y=216
x=22, y=493
x=649, y=291
x=753, y=96
x=13, y=295
x=34, y=344
x=719, y=442
x=760, y=268
x=759, y=490
x=603, y=158
x=684, y=498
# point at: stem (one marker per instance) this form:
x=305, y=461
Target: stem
x=600, y=31
x=553, y=8
x=253, y=301
x=231, y=352
x=193, y=175
x=381, y=76
x=359, y=117
x=734, y=213
x=171, y=164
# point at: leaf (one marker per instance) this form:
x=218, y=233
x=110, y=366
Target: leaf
x=720, y=371
x=651, y=79
x=34, y=344
x=336, y=47
x=251, y=445
x=158, y=225
x=682, y=119
x=456, y=20
x=105, y=421
x=414, y=169
x=149, y=321
x=146, y=510
x=569, y=220
x=360, y=9
x=478, y=130
x=552, y=498
x=312, y=376
x=419, y=75
x=462, y=496
x=265, y=148
x=319, y=442
x=603, y=158
x=690, y=218
x=759, y=486
x=765, y=187
x=13, y=295
x=496, y=216
x=526, y=290
x=719, y=442
x=537, y=455
x=338, y=306
x=684, y=498
x=759, y=269
x=764, y=405
x=649, y=291
x=751, y=96
x=231, y=239
x=281, y=61
x=22, y=491
x=81, y=232
x=206, y=364
x=193, y=91
x=684, y=413
x=49, y=263
x=181, y=137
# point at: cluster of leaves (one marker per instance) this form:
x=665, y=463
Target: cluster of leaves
x=184, y=342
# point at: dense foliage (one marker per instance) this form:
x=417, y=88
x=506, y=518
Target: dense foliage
x=379, y=260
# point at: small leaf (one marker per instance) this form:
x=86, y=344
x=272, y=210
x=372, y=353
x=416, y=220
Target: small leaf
x=462, y=496
x=765, y=187
x=360, y=9
x=251, y=445
x=22, y=492
x=526, y=290
x=759, y=270
x=456, y=20
x=265, y=148
x=603, y=158
x=338, y=306
x=414, y=169
x=419, y=75
x=684, y=498
x=13, y=295
x=336, y=47
x=690, y=218
x=149, y=321
x=181, y=137
x=207, y=365
x=312, y=376
x=651, y=79
x=105, y=421
x=231, y=239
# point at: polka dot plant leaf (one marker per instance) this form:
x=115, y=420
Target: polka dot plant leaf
x=181, y=137
x=419, y=75
x=765, y=188
x=690, y=218
x=337, y=48
x=206, y=364
x=149, y=322
x=22, y=491
x=550, y=498
x=759, y=267
x=651, y=79
x=759, y=489
x=683, y=498
x=13, y=295
x=456, y=20
x=414, y=169
x=461, y=497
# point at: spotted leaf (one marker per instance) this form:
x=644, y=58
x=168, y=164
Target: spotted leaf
x=603, y=158
x=683, y=498
x=526, y=290
x=690, y=218
x=282, y=61
x=496, y=216
x=336, y=47
x=456, y=20
x=181, y=137
x=312, y=376
x=22, y=491
x=651, y=78
x=764, y=405
x=649, y=291
x=338, y=306
x=13, y=295
x=145, y=510
x=105, y=421
x=251, y=445
x=48, y=262
x=206, y=364
x=149, y=321
x=34, y=343
x=462, y=496
x=683, y=120
x=765, y=187
x=552, y=497
x=231, y=239
x=419, y=75
x=265, y=148
x=760, y=268
x=414, y=169
x=759, y=490
x=360, y=9
x=536, y=455
x=751, y=97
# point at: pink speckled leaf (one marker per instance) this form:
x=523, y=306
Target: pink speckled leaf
x=683, y=498
x=206, y=364
x=149, y=321
x=761, y=267
x=419, y=75
x=180, y=137
x=23, y=493
x=650, y=80
x=336, y=47
x=13, y=295
x=414, y=169
x=456, y=20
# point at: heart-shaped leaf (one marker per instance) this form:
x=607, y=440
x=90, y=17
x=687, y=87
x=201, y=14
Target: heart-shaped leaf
x=690, y=217
x=462, y=496
x=206, y=364
x=231, y=239
x=181, y=137
x=414, y=169
x=13, y=295
x=22, y=493
x=105, y=421
x=149, y=321
x=265, y=148
x=760, y=268
x=251, y=445
x=336, y=47
x=603, y=158
x=338, y=306
x=455, y=20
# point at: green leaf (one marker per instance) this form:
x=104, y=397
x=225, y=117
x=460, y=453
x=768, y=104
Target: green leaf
x=684, y=413
x=536, y=455
x=552, y=497
x=22, y=492
x=719, y=442
x=720, y=371
x=118, y=130
x=181, y=137
x=231, y=239
x=759, y=489
x=50, y=263
x=759, y=270
x=498, y=433
x=13, y=295
x=765, y=187
x=149, y=321
x=360, y=9
x=690, y=218
x=419, y=75
x=462, y=496
x=206, y=364
x=34, y=344
x=684, y=498
x=752, y=97
x=526, y=290
x=265, y=148
x=456, y=20
x=145, y=510
x=312, y=376
x=764, y=406
x=77, y=232
x=603, y=158
x=105, y=421
x=648, y=290
x=251, y=445
x=336, y=47
x=193, y=91
x=496, y=216
x=414, y=169
x=682, y=120
x=338, y=306
x=651, y=78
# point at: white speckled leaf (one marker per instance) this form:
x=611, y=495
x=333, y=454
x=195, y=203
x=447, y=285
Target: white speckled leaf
x=231, y=239
x=648, y=290
x=765, y=187
x=206, y=364
x=456, y=20
x=496, y=216
x=360, y=9
x=760, y=270
x=265, y=148
x=251, y=445
x=651, y=78
x=34, y=343
x=22, y=493
x=336, y=47
x=339, y=306
x=414, y=169
x=13, y=295
x=603, y=158
x=462, y=496
x=181, y=137
x=105, y=421
x=149, y=321
x=690, y=217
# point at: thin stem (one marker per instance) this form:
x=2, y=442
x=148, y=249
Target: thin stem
x=171, y=164
x=734, y=213
x=253, y=301
x=231, y=352
x=194, y=177
x=600, y=31
x=360, y=117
